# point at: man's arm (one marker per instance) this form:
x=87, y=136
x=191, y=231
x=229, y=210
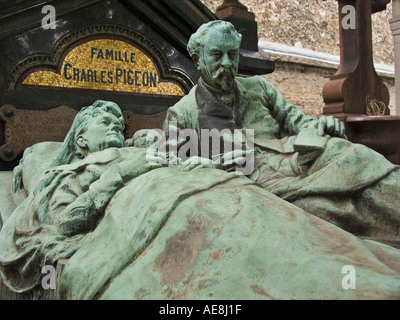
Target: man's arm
x=181, y=127
x=291, y=119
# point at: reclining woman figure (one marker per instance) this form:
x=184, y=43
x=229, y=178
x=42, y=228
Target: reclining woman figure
x=69, y=199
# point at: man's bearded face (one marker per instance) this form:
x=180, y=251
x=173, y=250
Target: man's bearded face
x=220, y=60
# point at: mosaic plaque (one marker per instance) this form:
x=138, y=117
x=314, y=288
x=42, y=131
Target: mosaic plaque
x=107, y=65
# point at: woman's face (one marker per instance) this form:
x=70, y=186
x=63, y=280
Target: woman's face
x=104, y=131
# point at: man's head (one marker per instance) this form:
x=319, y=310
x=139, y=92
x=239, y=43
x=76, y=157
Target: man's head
x=95, y=128
x=215, y=50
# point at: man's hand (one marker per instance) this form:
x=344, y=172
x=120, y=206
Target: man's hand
x=198, y=163
x=241, y=150
x=232, y=159
x=331, y=126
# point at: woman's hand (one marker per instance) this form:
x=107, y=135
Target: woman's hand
x=140, y=163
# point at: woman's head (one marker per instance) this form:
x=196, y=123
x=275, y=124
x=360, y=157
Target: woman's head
x=95, y=128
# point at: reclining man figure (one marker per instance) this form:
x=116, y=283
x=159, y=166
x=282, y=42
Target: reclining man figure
x=304, y=160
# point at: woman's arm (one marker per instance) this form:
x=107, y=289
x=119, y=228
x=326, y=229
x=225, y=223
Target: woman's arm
x=83, y=213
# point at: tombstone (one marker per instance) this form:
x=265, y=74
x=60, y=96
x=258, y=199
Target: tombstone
x=356, y=94
x=58, y=58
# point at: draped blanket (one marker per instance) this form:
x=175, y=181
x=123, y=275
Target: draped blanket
x=174, y=234
x=208, y=234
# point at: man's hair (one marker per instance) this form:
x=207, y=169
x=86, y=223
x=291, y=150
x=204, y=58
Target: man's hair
x=200, y=37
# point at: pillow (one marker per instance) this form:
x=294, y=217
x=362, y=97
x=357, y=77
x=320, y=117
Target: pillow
x=9, y=201
x=36, y=160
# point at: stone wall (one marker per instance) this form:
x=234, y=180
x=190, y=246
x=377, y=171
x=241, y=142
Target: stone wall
x=312, y=25
x=302, y=85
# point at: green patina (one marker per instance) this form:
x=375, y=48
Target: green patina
x=130, y=228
